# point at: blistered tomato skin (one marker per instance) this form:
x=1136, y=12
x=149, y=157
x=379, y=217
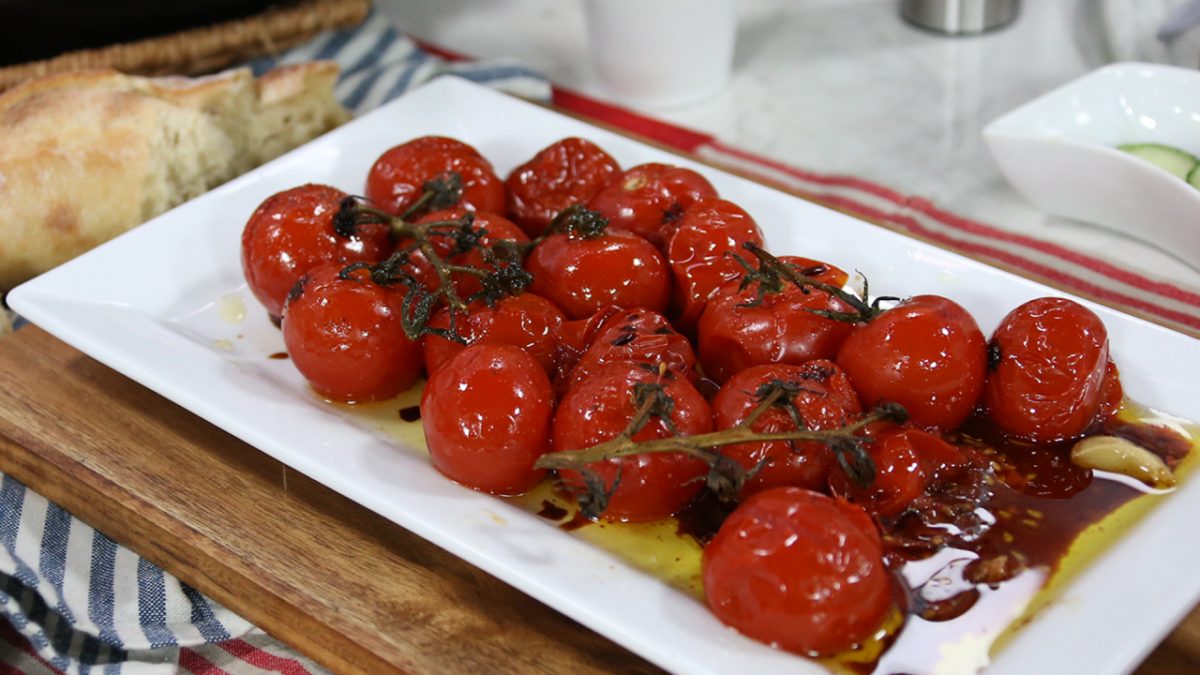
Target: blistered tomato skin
x=291, y=232
x=486, y=416
x=647, y=200
x=584, y=275
x=398, y=177
x=346, y=338
x=738, y=330
x=907, y=461
x=798, y=570
x=638, y=335
x=568, y=172
x=652, y=486
x=528, y=321
x=927, y=354
x=1046, y=380
x=698, y=252
x=824, y=400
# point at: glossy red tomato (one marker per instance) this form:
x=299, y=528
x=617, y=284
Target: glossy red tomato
x=528, y=321
x=647, y=200
x=292, y=232
x=638, y=335
x=799, y=570
x=398, y=177
x=927, y=354
x=486, y=416
x=346, y=338
x=734, y=333
x=570, y=171
x=824, y=400
x=600, y=407
x=907, y=461
x=1112, y=394
x=698, y=253
x=584, y=275
x=494, y=229
x=1046, y=379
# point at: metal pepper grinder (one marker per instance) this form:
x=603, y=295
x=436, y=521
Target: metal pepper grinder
x=960, y=17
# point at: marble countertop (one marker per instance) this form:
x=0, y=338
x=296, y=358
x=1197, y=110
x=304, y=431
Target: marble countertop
x=848, y=87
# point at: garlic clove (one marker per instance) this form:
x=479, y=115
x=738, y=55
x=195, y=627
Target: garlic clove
x=1111, y=453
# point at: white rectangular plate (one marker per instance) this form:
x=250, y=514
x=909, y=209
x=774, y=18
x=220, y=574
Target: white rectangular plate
x=150, y=304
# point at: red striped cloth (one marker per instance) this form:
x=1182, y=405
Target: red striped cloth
x=1160, y=301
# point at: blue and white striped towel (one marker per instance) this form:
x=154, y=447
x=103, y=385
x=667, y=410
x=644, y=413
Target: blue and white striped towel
x=85, y=602
x=378, y=64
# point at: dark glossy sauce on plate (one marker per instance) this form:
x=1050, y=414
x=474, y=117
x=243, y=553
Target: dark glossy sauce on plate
x=979, y=557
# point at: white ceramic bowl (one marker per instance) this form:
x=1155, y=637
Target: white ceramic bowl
x=1059, y=150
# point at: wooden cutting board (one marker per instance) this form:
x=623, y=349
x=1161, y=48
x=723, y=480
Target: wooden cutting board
x=341, y=584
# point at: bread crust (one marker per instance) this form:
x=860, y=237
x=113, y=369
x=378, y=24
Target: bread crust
x=85, y=156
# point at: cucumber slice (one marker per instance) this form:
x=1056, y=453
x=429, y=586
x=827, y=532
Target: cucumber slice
x=1174, y=160
x=1194, y=177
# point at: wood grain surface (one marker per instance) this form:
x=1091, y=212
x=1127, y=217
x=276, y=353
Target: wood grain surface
x=341, y=584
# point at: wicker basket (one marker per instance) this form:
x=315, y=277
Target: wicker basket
x=204, y=50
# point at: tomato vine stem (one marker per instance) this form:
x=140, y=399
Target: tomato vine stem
x=507, y=277
x=772, y=272
x=726, y=477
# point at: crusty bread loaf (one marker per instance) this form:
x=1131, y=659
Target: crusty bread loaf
x=86, y=156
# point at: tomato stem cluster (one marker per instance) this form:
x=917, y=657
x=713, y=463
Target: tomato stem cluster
x=576, y=219
x=506, y=277
x=773, y=272
x=726, y=477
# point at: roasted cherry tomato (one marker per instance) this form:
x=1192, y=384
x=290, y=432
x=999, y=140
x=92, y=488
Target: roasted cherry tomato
x=568, y=172
x=738, y=329
x=398, y=177
x=493, y=228
x=652, y=486
x=822, y=399
x=1047, y=366
x=346, y=338
x=698, y=253
x=528, y=321
x=583, y=275
x=927, y=354
x=796, y=569
x=638, y=335
x=647, y=200
x=292, y=232
x=1112, y=394
x=907, y=461
x=486, y=416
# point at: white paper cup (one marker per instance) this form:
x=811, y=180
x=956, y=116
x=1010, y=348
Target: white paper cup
x=661, y=53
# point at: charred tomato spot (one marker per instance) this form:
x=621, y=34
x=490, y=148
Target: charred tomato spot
x=673, y=213
x=297, y=289
x=993, y=356
x=624, y=340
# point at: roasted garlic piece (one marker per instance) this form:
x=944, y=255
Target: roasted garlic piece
x=1111, y=453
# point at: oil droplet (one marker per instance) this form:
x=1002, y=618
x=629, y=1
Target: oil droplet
x=231, y=308
x=223, y=345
